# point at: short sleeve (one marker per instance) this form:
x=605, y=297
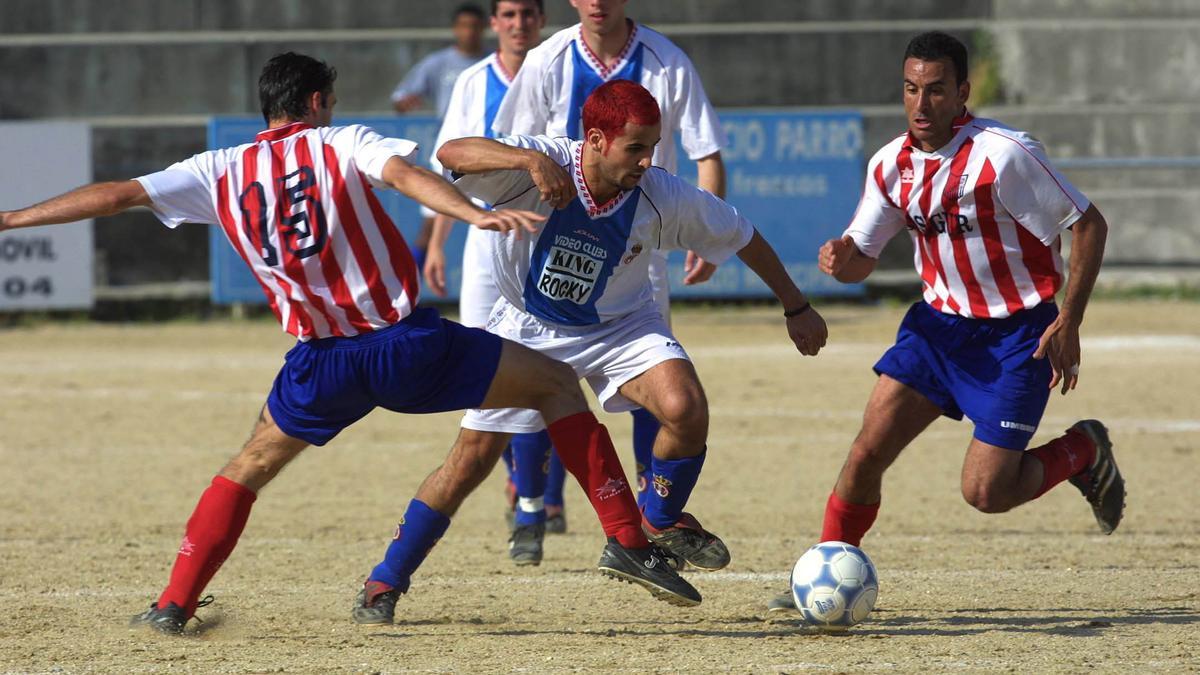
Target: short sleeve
x=1039, y=198
x=371, y=151
x=877, y=219
x=699, y=128
x=183, y=192
x=525, y=108
x=695, y=220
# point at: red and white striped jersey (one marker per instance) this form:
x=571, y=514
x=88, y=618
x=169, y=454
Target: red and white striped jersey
x=297, y=206
x=985, y=213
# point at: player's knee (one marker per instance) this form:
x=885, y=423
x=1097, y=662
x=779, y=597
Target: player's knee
x=684, y=411
x=987, y=498
x=865, y=460
x=558, y=380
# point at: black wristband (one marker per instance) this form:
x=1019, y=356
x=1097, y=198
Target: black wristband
x=798, y=311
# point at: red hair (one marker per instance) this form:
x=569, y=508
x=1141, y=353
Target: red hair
x=616, y=103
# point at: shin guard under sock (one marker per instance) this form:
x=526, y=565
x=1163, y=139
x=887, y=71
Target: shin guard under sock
x=212, y=533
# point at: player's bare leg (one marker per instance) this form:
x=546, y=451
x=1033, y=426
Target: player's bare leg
x=218, y=521
x=525, y=379
x=671, y=391
x=996, y=479
x=895, y=415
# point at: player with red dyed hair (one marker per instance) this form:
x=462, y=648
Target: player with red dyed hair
x=579, y=290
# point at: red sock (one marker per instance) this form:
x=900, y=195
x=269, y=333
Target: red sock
x=1062, y=458
x=847, y=522
x=212, y=532
x=587, y=452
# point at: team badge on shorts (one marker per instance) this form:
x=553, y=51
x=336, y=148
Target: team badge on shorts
x=662, y=486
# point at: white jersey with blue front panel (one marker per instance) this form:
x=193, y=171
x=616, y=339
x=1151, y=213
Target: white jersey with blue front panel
x=558, y=75
x=589, y=263
x=473, y=104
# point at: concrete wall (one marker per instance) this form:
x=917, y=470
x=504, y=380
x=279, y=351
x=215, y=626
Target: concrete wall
x=1091, y=78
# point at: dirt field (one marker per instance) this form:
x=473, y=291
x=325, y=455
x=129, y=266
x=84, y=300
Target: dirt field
x=109, y=433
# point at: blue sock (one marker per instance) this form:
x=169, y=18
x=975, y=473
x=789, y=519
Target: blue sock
x=645, y=430
x=555, y=478
x=530, y=453
x=416, y=535
x=509, y=460
x=672, y=483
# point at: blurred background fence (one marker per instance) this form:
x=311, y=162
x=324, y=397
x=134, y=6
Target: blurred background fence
x=1109, y=86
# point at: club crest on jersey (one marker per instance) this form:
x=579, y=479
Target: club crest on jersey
x=906, y=175
x=571, y=270
x=962, y=185
x=633, y=253
x=662, y=486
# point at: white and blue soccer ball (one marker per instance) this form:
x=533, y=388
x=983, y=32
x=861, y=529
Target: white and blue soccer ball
x=834, y=585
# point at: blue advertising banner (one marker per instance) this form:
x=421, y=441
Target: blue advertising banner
x=795, y=175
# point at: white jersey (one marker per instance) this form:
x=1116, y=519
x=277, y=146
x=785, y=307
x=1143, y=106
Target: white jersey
x=548, y=93
x=473, y=104
x=985, y=213
x=297, y=206
x=589, y=262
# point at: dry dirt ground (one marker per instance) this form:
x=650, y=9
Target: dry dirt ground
x=109, y=433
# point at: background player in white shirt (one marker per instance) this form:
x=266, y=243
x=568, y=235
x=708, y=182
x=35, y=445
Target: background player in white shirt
x=473, y=105
x=547, y=98
x=580, y=291
x=297, y=205
x=985, y=212
x=431, y=81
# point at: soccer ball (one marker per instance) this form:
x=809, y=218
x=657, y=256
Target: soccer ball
x=834, y=585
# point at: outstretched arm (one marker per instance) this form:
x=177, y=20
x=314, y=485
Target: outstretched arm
x=805, y=326
x=89, y=201
x=480, y=155
x=1060, y=342
x=433, y=191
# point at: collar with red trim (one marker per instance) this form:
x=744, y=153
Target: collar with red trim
x=597, y=63
x=585, y=195
x=498, y=66
x=958, y=123
x=280, y=133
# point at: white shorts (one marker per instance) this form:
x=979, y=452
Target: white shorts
x=607, y=355
x=479, y=293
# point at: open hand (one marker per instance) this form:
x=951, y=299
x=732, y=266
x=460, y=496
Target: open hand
x=435, y=270
x=1060, y=343
x=509, y=220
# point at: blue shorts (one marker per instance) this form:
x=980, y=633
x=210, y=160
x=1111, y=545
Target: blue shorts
x=423, y=364
x=981, y=368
